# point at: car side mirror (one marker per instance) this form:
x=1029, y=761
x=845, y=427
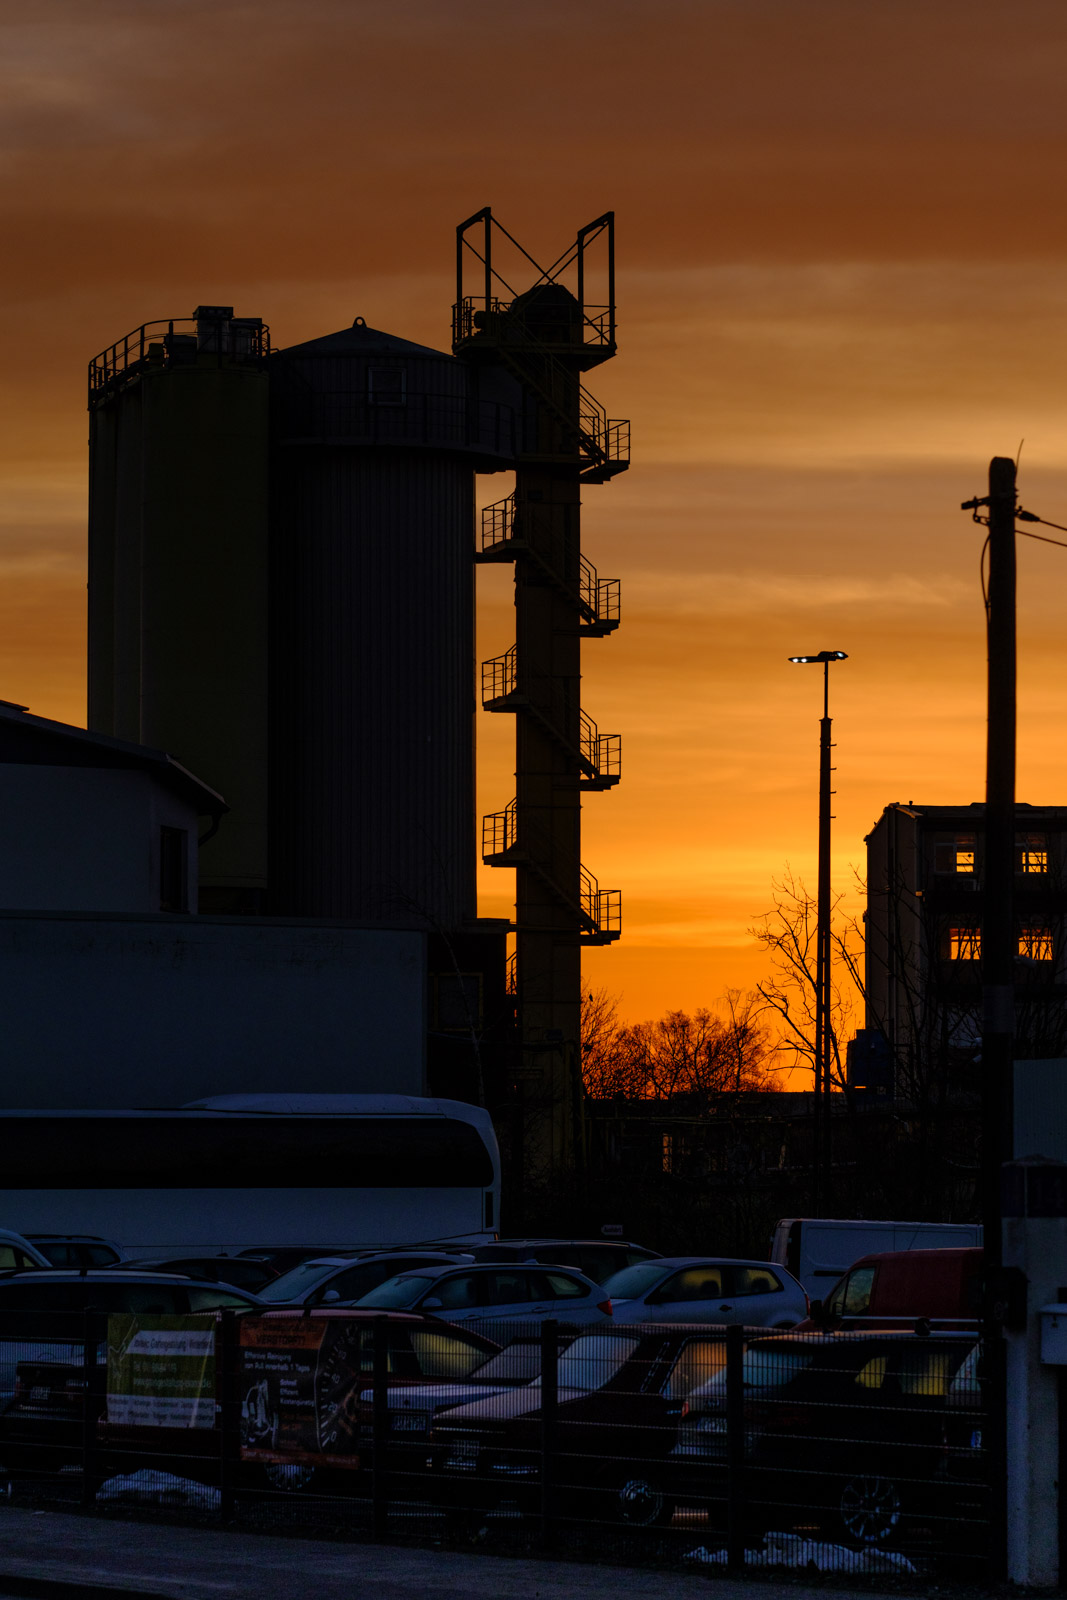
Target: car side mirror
x=330, y=1297
x=432, y=1304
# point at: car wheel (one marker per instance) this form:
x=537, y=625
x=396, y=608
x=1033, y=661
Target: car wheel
x=869, y=1509
x=643, y=1504
x=289, y=1478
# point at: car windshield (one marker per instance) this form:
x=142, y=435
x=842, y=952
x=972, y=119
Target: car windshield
x=397, y=1293
x=633, y=1282
x=766, y=1365
x=299, y=1281
x=592, y=1360
x=519, y=1363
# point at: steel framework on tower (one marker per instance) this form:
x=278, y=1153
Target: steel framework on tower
x=544, y=337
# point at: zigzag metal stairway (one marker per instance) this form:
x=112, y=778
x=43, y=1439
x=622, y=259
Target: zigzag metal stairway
x=543, y=338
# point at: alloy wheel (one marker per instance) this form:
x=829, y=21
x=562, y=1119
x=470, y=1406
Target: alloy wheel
x=643, y=1504
x=870, y=1508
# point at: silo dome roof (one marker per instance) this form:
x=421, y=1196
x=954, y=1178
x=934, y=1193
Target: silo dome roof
x=359, y=340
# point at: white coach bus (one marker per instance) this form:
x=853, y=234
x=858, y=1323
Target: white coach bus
x=237, y=1171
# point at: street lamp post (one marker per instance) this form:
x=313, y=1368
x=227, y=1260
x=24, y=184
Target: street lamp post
x=823, y=1027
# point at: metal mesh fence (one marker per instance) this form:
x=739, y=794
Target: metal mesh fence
x=853, y=1451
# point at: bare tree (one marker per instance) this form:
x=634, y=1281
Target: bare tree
x=694, y=1057
x=608, y=1069
x=788, y=933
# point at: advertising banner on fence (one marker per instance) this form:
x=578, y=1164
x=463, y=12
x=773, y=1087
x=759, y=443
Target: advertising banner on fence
x=161, y=1371
x=299, y=1383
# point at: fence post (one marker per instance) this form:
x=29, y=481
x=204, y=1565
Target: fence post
x=90, y=1407
x=549, y=1417
x=229, y=1412
x=735, y=1448
x=379, y=1428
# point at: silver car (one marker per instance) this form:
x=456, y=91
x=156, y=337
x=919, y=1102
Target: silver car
x=709, y=1289
x=333, y=1280
x=477, y=1294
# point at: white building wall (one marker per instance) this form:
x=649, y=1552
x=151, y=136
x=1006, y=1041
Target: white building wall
x=130, y=1011
x=86, y=838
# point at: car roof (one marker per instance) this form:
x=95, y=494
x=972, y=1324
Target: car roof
x=491, y=1266
x=155, y=1264
x=422, y=1319
x=613, y=1244
x=103, y=1275
x=447, y=1258
x=707, y=1261
x=71, y=1238
x=823, y=1337
x=972, y=1253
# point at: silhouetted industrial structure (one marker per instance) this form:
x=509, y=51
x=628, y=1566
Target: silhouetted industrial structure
x=543, y=339
x=281, y=593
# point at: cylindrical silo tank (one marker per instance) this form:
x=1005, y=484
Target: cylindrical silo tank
x=178, y=568
x=374, y=445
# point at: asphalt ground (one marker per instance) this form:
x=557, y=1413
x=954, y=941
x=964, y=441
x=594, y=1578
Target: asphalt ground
x=56, y=1555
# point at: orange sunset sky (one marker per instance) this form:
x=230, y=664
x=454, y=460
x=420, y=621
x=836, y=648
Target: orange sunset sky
x=841, y=289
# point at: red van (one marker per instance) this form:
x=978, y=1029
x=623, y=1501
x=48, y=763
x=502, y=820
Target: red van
x=941, y=1285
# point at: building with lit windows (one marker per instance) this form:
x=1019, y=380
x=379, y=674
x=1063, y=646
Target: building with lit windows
x=924, y=946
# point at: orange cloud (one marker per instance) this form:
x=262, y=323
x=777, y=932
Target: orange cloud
x=840, y=291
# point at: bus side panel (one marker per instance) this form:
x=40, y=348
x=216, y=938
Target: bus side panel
x=158, y=1222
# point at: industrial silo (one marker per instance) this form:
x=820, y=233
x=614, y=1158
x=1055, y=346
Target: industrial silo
x=178, y=568
x=374, y=445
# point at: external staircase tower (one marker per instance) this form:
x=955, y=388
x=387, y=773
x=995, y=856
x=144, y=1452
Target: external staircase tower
x=545, y=338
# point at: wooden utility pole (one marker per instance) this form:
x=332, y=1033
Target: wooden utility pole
x=999, y=950
x=999, y=938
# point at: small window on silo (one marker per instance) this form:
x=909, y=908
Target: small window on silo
x=387, y=386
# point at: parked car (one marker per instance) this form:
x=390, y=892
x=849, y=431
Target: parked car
x=412, y=1407
x=620, y=1398
x=76, y=1249
x=843, y=1429
x=285, y=1256
x=942, y=1285
x=241, y=1272
x=817, y=1250
x=707, y=1289
x=42, y=1345
x=599, y=1259
x=17, y=1252
x=481, y=1293
x=342, y=1280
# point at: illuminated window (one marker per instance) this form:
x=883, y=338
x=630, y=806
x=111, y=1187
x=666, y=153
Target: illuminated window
x=1031, y=853
x=1035, y=944
x=668, y=1152
x=964, y=944
x=955, y=854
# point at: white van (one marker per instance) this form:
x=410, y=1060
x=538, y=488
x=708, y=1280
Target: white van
x=817, y=1250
